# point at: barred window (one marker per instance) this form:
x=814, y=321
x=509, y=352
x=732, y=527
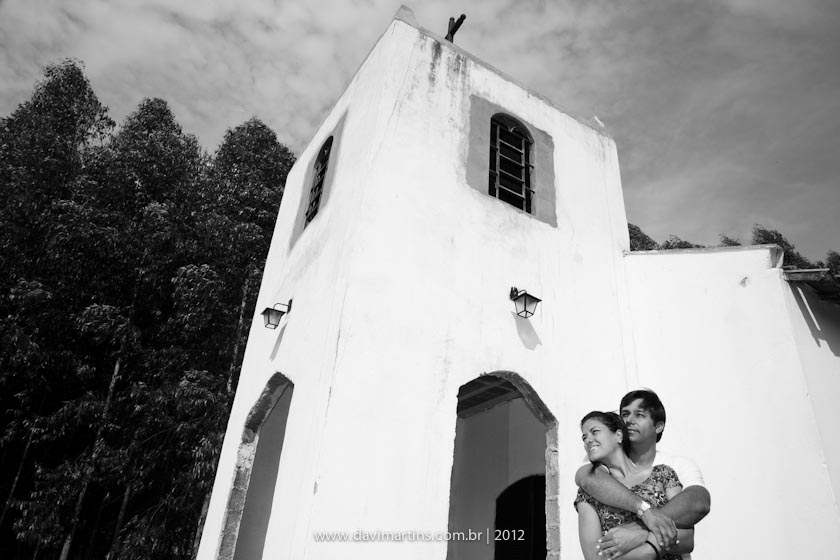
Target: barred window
x=510, y=162
x=318, y=175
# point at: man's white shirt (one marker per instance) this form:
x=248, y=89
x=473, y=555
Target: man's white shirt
x=686, y=469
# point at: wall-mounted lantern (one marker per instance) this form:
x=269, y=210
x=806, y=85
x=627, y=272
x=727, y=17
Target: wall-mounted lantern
x=526, y=304
x=272, y=315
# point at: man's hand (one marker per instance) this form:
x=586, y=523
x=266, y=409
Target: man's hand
x=662, y=527
x=622, y=539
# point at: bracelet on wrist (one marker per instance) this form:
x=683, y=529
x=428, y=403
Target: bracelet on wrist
x=651, y=540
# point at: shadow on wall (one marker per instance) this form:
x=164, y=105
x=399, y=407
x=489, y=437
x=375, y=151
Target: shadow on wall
x=823, y=319
x=529, y=337
x=276, y=346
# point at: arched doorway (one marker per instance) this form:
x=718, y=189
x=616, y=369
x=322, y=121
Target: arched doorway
x=504, y=472
x=252, y=495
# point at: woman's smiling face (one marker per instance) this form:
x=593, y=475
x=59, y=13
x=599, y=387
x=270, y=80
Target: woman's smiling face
x=598, y=440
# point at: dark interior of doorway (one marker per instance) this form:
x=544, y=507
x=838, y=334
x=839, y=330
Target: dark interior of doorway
x=520, y=520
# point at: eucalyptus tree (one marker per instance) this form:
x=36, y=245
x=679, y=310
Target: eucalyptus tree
x=42, y=155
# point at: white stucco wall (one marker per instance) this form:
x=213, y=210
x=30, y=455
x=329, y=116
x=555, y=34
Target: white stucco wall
x=816, y=330
x=714, y=337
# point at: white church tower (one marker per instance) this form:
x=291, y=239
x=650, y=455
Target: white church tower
x=402, y=397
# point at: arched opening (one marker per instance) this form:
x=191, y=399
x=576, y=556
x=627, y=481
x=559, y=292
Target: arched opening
x=504, y=485
x=255, y=478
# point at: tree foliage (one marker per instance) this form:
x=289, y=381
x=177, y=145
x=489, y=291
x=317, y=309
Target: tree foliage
x=640, y=241
x=763, y=236
x=726, y=241
x=832, y=262
x=674, y=242
x=132, y=258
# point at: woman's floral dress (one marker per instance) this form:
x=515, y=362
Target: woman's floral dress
x=653, y=490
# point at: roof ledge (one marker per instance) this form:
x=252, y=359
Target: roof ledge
x=775, y=251
x=825, y=284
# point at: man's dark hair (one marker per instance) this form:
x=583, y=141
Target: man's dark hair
x=650, y=403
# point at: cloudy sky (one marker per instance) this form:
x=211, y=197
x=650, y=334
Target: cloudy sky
x=726, y=112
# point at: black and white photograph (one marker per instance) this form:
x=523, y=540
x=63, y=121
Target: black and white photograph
x=369, y=279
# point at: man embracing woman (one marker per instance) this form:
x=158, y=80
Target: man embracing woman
x=634, y=502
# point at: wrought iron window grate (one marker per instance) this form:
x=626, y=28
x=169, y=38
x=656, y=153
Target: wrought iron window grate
x=319, y=174
x=510, y=163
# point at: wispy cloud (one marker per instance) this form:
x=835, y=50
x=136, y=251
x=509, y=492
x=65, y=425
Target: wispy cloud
x=725, y=112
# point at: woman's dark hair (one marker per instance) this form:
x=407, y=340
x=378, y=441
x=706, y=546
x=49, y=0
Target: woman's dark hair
x=613, y=422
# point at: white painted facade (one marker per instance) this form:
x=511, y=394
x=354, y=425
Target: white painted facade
x=400, y=287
